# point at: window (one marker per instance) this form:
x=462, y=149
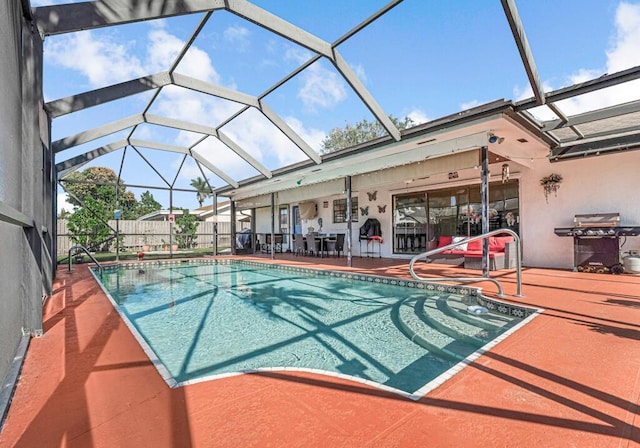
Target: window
x=283, y=221
x=420, y=218
x=340, y=210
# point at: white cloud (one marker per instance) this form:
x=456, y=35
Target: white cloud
x=187, y=105
x=162, y=50
x=259, y=137
x=144, y=133
x=469, y=104
x=321, y=88
x=312, y=136
x=626, y=49
x=189, y=169
x=418, y=116
x=101, y=60
x=223, y=158
x=238, y=36
x=297, y=54
x=360, y=72
x=104, y=61
x=623, y=54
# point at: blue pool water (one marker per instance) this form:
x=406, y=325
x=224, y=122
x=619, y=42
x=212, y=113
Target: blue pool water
x=218, y=318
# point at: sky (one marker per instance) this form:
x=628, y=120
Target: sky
x=422, y=59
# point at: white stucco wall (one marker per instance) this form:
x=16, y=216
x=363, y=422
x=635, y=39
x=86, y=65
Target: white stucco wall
x=602, y=184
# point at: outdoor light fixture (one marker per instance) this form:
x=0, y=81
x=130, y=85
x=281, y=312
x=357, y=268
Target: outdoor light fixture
x=493, y=138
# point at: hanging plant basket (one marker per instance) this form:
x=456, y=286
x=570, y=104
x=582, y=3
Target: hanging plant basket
x=551, y=184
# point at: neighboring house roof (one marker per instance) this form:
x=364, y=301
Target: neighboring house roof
x=201, y=213
x=159, y=215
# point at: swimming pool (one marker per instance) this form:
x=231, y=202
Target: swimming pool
x=203, y=320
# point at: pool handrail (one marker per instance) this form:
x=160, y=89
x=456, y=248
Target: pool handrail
x=79, y=246
x=473, y=279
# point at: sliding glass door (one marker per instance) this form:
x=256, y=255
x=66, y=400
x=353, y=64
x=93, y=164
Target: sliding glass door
x=420, y=218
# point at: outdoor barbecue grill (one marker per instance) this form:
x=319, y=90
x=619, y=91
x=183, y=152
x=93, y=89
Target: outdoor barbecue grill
x=596, y=242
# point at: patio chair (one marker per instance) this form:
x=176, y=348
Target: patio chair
x=313, y=245
x=299, y=245
x=335, y=245
x=276, y=245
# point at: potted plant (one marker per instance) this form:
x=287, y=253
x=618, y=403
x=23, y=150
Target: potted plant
x=551, y=184
x=146, y=247
x=165, y=246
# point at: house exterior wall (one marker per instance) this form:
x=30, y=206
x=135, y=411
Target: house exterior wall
x=590, y=185
x=25, y=181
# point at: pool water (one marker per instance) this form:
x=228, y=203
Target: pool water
x=203, y=320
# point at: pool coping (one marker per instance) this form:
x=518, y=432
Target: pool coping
x=500, y=306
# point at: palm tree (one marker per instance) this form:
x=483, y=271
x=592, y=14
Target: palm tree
x=202, y=189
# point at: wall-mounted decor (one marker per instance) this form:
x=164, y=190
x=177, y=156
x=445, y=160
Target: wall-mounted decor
x=364, y=211
x=382, y=208
x=453, y=175
x=372, y=195
x=551, y=184
x=308, y=210
x=505, y=173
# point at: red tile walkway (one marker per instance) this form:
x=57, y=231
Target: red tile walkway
x=571, y=378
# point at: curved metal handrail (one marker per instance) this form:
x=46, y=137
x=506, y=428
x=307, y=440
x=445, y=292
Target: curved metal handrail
x=473, y=279
x=79, y=246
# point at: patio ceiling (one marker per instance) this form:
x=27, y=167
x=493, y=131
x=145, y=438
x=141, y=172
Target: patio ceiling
x=597, y=132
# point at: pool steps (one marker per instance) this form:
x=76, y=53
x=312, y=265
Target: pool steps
x=438, y=325
x=438, y=343
x=429, y=312
x=489, y=321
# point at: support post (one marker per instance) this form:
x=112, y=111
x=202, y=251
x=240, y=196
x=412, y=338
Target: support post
x=254, y=236
x=171, y=223
x=215, y=223
x=232, y=205
x=347, y=182
x=484, y=194
x=117, y=207
x=273, y=226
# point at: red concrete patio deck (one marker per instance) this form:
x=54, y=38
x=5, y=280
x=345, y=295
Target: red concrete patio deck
x=568, y=379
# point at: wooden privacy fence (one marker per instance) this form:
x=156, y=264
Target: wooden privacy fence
x=137, y=235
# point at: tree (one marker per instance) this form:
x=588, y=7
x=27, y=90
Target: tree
x=185, y=228
x=64, y=214
x=363, y=131
x=91, y=182
x=87, y=226
x=147, y=204
x=202, y=189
